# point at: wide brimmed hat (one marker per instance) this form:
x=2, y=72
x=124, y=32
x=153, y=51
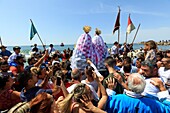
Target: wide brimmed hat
x=87, y=29
x=98, y=31
x=2, y=46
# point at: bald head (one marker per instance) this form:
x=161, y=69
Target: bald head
x=136, y=83
x=76, y=74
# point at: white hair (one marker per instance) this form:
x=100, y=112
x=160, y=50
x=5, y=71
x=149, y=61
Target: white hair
x=136, y=83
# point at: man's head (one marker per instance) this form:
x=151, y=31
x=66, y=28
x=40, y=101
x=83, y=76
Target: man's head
x=16, y=49
x=51, y=45
x=31, y=60
x=138, y=62
x=149, y=68
x=116, y=43
x=109, y=62
x=127, y=69
x=27, y=79
x=127, y=60
x=3, y=48
x=166, y=62
x=4, y=66
x=35, y=45
x=76, y=74
x=136, y=83
x=20, y=60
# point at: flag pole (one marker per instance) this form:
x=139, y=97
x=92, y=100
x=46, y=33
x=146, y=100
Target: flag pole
x=0, y=41
x=126, y=38
x=39, y=37
x=119, y=27
x=136, y=34
x=118, y=35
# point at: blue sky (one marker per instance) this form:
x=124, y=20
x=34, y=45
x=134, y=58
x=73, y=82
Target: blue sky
x=62, y=20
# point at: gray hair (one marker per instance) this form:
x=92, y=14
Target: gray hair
x=136, y=83
x=150, y=63
x=75, y=74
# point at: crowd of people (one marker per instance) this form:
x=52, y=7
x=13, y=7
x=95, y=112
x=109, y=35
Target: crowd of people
x=88, y=79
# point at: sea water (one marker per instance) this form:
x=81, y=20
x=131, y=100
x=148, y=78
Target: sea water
x=26, y=49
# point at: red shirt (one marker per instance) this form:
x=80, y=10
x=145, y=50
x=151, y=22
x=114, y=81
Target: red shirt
x=61, y=92
x=6, y=101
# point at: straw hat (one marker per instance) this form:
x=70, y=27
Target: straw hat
x=87, y=29
x=98, y=31
x=2, y=46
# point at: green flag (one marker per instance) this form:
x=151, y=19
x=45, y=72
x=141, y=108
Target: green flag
x=33, y=31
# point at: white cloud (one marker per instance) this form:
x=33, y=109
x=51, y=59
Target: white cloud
x=103, y=8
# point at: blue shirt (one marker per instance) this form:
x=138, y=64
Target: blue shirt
x=5, y=53
x=125, y=104
x=31, y=93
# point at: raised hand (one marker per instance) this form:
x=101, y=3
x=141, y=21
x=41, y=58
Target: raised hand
x=118, y=77
x=87, y=101
x=111, y=84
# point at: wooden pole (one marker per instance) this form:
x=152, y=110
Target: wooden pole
x=0, y=41
x=118, y=35
x=126, y=38
x=119, y=26
x=136, y=34
x=39, y=37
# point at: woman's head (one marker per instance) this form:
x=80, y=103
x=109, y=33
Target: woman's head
x=150, y=45
x=42, y=71
x=6, y=81
x=76, y=95
x=81, y=89
x=42, y=103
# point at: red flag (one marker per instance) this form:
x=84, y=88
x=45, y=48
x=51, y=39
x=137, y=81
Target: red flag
x=130, y=26
x=117, y=24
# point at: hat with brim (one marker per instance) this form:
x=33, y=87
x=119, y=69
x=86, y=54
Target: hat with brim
x=98, y=31
x=16, y=47
x=87, y=29
x=2, y=47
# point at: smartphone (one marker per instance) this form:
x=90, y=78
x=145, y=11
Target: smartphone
x=58, y=81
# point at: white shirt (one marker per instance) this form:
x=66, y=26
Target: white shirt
x=133, y=70
x=93, y=84
x=50, y=50
x=114, y=50
x=150, y=90
x=165, y=74
x=71, y=88
x=12, y=57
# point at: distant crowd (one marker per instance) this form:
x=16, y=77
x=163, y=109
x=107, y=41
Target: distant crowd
x=91, y=78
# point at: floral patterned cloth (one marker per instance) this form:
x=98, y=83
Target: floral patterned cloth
x=101, y=50
x=84, y=49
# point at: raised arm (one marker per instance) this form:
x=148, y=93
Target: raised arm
x=103, y=99
x=39, y=62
